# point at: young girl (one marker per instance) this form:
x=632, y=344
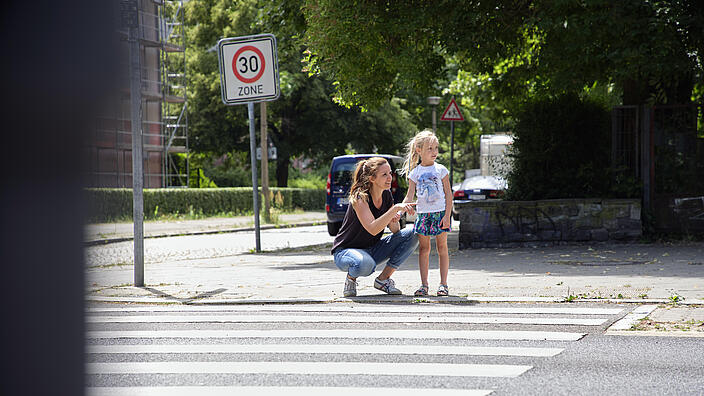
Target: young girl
x=431, y=182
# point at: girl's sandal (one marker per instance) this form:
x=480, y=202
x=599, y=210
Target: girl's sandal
x=443, y=290
x=422, y=291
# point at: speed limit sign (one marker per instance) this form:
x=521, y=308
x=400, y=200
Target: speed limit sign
x=248, y=69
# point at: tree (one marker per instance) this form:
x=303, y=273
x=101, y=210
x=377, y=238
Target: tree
x=651, y=49
x=214, y=127
x=304, y=121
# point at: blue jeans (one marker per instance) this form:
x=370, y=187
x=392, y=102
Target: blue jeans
x=362, y=262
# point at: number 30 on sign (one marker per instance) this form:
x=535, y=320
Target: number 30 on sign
x=248, y=69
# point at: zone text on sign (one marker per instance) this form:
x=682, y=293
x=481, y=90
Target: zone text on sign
x=251, y=90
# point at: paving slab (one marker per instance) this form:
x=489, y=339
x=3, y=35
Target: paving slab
x=661, y=272
x=678, y=314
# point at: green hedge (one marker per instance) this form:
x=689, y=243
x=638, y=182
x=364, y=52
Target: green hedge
x=109, y=204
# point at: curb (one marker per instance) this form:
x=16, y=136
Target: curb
x=368, y=299
x=359, y=299
x=99, y=242
x=639, y=301
x=653, y=333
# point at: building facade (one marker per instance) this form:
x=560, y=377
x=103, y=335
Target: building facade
x=164, y=106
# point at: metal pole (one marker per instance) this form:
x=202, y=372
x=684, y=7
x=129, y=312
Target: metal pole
x=265, y=160
x=255, y=192
x=435, y=127
x=137, y=161
x=647, y=155
x=452, y=148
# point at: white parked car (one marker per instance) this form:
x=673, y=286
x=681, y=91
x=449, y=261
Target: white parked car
x=479, y=188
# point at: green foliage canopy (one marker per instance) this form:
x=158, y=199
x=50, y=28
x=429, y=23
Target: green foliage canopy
x=652, y=49
x=304, y=121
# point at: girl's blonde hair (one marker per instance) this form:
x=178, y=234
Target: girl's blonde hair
x=412, y=157
x=362, y=178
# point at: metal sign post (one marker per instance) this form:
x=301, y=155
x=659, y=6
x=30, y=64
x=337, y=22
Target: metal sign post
x=249, y=73
x=255, y=189
x=452, y=113
x=452, y=148
x=130, y=19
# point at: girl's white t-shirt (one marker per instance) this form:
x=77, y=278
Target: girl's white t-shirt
x=431, y=195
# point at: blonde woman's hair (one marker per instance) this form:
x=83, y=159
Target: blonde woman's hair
x=412, y=157
x=362, y=178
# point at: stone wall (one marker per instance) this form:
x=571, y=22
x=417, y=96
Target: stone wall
x=496, y=223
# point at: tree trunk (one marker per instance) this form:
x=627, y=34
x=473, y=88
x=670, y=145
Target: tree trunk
x=635, y=92
x=682, y=91
x=282, y=163
x=283, y=151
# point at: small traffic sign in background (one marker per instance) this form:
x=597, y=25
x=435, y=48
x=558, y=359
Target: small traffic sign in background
x=271, y=152
x=248, y=69
x=452, y=112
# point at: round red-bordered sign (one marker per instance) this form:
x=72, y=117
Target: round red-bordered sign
x=237, y=72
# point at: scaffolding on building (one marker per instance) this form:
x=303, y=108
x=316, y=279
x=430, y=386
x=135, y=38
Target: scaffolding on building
x=164, y=107
x=174, y=103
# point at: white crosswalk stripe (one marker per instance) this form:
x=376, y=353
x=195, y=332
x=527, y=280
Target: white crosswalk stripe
x=346, y=368
x=343, y=319
x=336, y=307
x=345, y=333
x=324, y=342
x=326, y=348
x=272, y=390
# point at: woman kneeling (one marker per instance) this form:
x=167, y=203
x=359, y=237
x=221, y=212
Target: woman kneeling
x=359, y=247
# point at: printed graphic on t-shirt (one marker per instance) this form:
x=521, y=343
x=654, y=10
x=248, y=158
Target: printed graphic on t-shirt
x=429, y=188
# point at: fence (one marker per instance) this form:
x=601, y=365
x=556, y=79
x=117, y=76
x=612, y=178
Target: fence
x=663, y=147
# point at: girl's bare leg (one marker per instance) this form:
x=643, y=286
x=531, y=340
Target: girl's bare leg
x=444, y=257
x=423, y=257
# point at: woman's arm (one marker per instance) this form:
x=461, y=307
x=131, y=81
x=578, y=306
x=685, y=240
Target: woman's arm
x=375, y=226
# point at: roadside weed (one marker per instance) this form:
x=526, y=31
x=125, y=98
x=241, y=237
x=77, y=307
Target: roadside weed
x=675, y=299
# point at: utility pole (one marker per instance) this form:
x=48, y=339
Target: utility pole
x=434, y=101
x=265, y=160
x=137, y=160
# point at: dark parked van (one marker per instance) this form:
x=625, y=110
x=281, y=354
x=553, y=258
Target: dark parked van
x=340, y=181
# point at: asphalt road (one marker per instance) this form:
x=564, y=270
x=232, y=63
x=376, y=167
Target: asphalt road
x=501, y=349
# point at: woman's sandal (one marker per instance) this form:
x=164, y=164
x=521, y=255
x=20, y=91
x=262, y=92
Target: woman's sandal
x=422, y=291
x=443, y=290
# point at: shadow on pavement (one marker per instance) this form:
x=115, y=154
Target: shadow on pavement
x=200, y=296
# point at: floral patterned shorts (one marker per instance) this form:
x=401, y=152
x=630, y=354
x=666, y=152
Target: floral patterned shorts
x=429, y=223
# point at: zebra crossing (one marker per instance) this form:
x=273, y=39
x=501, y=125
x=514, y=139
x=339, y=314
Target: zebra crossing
x=317, y=349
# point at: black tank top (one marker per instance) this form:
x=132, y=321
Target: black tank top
x=352, y=234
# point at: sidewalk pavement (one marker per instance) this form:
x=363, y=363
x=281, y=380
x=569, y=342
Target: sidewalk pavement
x=669, y=275
x=96, y=234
